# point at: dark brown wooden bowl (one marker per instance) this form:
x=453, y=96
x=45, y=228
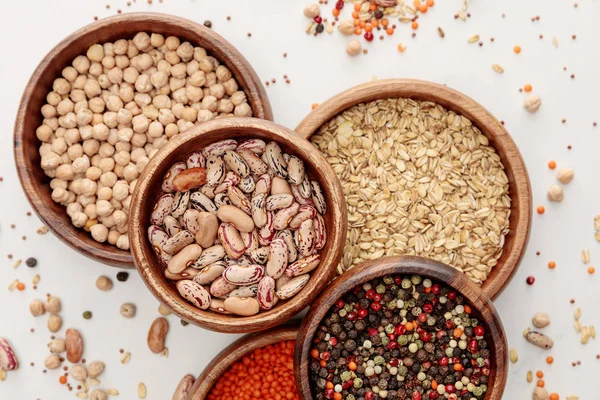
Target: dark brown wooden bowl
x=518, y=179
x=238, y=349
x=26, y=145
x=406, y=265
x=148, y=189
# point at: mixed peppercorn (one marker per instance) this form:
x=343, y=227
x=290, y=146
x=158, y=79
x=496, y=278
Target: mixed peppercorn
x=400, y=338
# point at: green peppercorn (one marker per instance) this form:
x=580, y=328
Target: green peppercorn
x=385, y=340
x=358, y=383
x=419, y=344
x=348, y=307
x=346, y=376
x=415, y=279
x=406, y=283
x=379, y=360
x=403, y=340
x=477, y=391
x=350, y=397
x=342, y=313
x=87, y=315
x=380, y=289
x=391, y=305
x=388, y=280
x=402, y=371
x=389, y=328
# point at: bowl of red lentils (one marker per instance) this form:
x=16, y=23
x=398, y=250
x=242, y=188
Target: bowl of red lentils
x=256, y=366
x=402, y=328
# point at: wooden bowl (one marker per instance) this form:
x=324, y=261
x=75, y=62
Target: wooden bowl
x=29, y=117
x=235, y=351
x=406, y=265
x=519, y=185
x=148, y=189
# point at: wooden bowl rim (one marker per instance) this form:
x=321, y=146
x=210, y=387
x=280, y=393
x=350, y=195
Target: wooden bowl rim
x=281, y=312
x=460, y=103
x=61, y=227
x=235, y=351
x=404, y=265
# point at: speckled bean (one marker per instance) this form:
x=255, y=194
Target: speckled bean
x=275, y=159
x=188, y=273
x=320, y=232
x=8, y=359
x=157, y=238
x=190, y=220
x=256, y=146
x=172, y=225
x=266, y=293
x=209, y=273
x=194, y=293
x=221, y=288
x=196, y=160
x=260, y=255
x=243, y=306
x=284, y=216
x=259, y=212
x=215, y=170
x=239, y=199
x=278, y=258
x=305, y=213
x=245, y=291
x=219, y=148
x=298, y=196
x=236, y=163
x=167, y=185
x=305, y=238
x=242, y=221
x=256, y=165
x=208, y=191
x=162, y=208
x=263, y=185
x=279, y=201
x=157, y=333
x=231, y=240
x=266, y=233
x=217, y=305
x=184, y=387
x=303, y=266
x=247, y=184
x=244, y=274
x=210, y=256
x=189, y=179
x=292, y=287
x=209, y=224
x=231, y=179
x=180, y=204
x=221, y=199
x=295, y=170
x=184, y=259
x=318, y=197
x=177, y=242
x=280, y=186
x=201, y=202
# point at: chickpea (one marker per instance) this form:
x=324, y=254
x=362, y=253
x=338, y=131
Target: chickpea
x=204, y=115
x=223, y=73
x=243, y=110
x=99, y=232
x=143, y=84
x=205, y=65
x=126, y=92
x=161, y=101
x=217, y=90
x=53, y=98
x=79, y=219
x=108, y=62
x=132, y=51
x=114, y=103
x=100, y=131
x=140, y=123
x=82, y=105
x=138, y=140
x=180, y=97
x=108, y=179
x=59, y=195
x=81, y=64
x=115, y=75
x=96, y=69
x=64, y=107
x=59, y=145
x=183, y=125
x=177, y=109
x=75, y=151
x=104, y=193
x=199, y=53
x=84, y=117
x=123, y=242
x=107, y=164
x=211, y=79
x=81, y=164
x=141, y=163
x=96, y=160
x=238, y=98
x=124, y=116
x=230, y=86
x=130, y=75
x=85, y=132
x=193, y=94
x=172, y=58
x=192, y=67
x=79, y=83
x=90, y=211
x=85, y=200
x=122, y=158
x=225, y=106
x=68, y=121
x=54, y=183
x=150, y=112
x=120, y=218
x=127, y=202
x=43, y=133
x=61, y=86
x=144, y=62
x=176, y=83
x=104, y=208
x=198, y=79
x=130, y=172
x=93, y=173
x=171, y=130
x=123, y=146
x=209, y=103
x=88, y=187
x=74, y=208
x=51, y=122
x=142, y=41
x=172, y=43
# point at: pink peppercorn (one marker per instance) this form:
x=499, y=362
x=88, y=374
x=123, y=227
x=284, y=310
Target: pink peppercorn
x=530, y=280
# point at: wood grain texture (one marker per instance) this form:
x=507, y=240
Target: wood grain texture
x=148, y=189
x=238, y=349
x=519, y=185
x=406, y=265
x=26, y=145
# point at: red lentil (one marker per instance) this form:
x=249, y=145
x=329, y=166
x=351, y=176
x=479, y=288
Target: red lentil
x=266, y=373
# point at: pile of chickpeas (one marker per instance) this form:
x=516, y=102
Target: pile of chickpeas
x=113, y=109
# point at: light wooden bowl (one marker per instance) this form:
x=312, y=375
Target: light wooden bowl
x=148, y=189
x=29, y=117
x=519, y=185
x=406, y=265
x=235, y=351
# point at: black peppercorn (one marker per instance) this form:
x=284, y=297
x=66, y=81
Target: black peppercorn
x=208, y=24
x=122, y=276
x=378, y=14
x=320, y=28
x=31, y=262
x=350, y=345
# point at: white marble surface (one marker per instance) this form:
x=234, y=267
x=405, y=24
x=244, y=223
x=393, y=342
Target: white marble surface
x=318, y=69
